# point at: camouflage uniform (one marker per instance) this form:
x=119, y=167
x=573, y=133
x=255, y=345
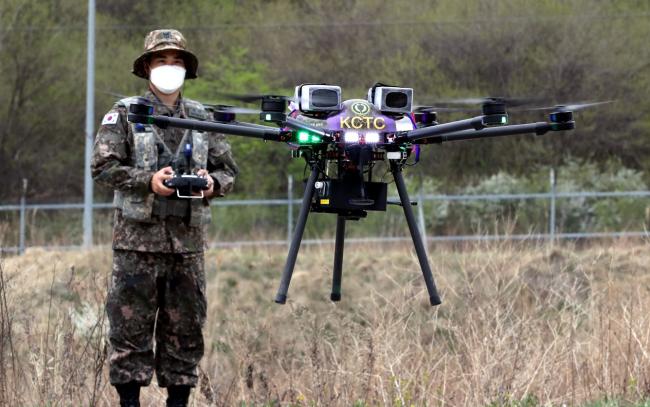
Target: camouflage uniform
x=174, y=286
x=158, y=268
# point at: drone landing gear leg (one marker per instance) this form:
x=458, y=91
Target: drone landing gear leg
x=434, y=298
x=338, y=258
x=281, y=296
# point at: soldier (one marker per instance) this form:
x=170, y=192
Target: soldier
x=158, y=242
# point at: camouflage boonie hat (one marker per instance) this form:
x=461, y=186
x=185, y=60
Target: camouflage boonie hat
x=161, y=40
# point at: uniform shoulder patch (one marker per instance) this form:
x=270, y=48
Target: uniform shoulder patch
x=110, y=118
x=197, y=113
x=194, y=109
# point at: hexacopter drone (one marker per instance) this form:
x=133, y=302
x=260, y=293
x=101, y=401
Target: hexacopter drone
x=342, y=140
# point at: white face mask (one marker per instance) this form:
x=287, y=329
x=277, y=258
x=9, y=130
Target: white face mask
x=167, y=78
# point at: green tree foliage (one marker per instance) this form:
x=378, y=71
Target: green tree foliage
x=41, y=97
x=559, y=51
x=576, y=214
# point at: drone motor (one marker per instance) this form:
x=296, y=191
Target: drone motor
x=494, y=112
x=273, y=108
x=562, y=119
x=390, y=99
x=561, y=116
x=223, y=116
x=426, y=117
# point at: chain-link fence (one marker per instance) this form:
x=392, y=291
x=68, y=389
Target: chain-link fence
x=520, y=216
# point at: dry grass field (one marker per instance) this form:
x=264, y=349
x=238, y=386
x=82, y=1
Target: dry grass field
x=520, y=325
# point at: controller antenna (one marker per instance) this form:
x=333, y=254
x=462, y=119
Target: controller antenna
x=187, y=152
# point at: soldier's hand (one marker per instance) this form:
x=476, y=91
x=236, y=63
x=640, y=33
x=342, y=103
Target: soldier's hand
x=157, y=185
x=206, y=192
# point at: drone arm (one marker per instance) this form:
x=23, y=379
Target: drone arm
x=475, y=123
x=298, y=125
x=263, y=132
x=254, y=125
x=537, y=128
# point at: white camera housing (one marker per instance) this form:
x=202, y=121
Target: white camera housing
x=318, y=98
x=390, y=99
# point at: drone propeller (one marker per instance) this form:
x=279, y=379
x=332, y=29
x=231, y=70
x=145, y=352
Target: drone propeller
x=122, y=96
x=316, y=98
x=231, y=109
x=221, y=112
x=250, y=97
x=227, y=113
x=114, y=94
x=431, y=109
x=573, y=106
x=510, y=101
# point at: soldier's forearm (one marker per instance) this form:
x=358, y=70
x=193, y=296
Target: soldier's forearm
x=224, y=161
x=223, y=182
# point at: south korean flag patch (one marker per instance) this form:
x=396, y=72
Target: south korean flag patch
x=110, y=118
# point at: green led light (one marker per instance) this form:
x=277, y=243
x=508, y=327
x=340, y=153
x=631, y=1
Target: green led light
x=504, y=120
x=305, y=137
x=268, y=117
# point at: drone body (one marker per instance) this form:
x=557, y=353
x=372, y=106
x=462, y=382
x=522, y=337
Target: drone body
x=360, y=133
x=358, y=115
x=341, y=141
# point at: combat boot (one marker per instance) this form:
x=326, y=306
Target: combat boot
x=177, y=396
x=129, y=394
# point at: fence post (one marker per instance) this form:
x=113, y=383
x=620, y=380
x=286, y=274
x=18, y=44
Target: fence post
x=90, y=125
x=289, y=208
x=551, y=218
x=23, y=204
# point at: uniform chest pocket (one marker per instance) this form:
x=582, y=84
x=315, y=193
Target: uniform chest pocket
x=200, y=149
x=135, y=205
x=138, y=207
x=146, y=152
